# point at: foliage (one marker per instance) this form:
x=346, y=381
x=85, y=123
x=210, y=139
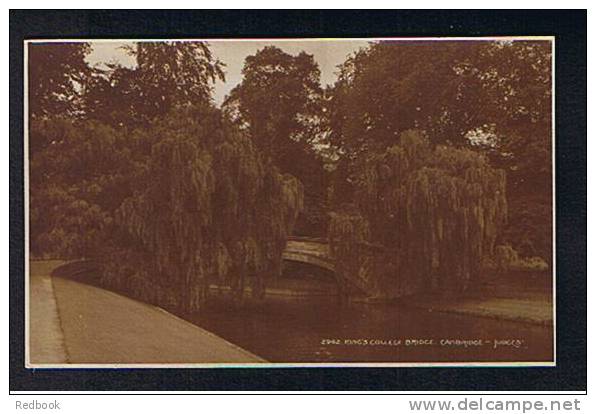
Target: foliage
x=439, y=211
x=278, y=98
x=494, y=97
x=279, y=103
x=174, y=206
x=445, y=88
x=56, y=73
x=210, y=210
x=152, y=180
x=79, y=174
x=507, y=259
x=167, y=75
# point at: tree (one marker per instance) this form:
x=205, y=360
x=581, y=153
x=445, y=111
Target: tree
x=112, y=97
x=167, y=209
x=210, y=210
x=521, y=116
x=56, y=73
x=393, y=86
x=278, y=99
x=167, y=75
x=446, y=88
x=279, y=102
x=493, y=97
x=434, y=213
x=76, y=183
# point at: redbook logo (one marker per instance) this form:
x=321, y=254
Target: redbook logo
x=38, y=405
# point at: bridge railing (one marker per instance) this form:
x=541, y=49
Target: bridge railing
x=322, y=240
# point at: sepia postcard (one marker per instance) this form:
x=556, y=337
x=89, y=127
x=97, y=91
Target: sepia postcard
x=289, y=202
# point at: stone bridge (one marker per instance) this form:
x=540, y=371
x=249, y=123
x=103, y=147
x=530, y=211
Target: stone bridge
x=315, y=251
x=309, y=250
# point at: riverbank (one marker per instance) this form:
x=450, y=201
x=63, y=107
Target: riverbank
x=515, y=299
x=89, y=325
x=287, y=328
x=517, y=310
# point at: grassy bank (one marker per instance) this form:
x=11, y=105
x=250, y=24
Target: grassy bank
x=517, y=296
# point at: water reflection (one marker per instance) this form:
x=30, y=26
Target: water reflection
x=319, y=329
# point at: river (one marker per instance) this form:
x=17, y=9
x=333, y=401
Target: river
x=319, y=329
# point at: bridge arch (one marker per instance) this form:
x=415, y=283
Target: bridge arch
x=309, y=250
x=316, y=252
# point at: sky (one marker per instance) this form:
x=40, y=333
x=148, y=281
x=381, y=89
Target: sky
x=327, y=53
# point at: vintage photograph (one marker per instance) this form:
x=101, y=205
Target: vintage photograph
x=289, y=202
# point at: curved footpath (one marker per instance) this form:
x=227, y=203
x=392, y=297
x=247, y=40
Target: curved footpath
x=73, y=323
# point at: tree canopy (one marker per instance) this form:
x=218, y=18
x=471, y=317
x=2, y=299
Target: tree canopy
x=435, y=213
x=167, y=75
x=493, y=97
x=446, y=88
x=56, y=74
x=211, y=210
x=279, y=104
x=278, y=99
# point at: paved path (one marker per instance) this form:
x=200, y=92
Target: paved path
x=100, y=327
x=46, y=344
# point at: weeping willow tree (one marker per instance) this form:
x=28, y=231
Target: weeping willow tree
x=209, y=209
x=436, y=211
